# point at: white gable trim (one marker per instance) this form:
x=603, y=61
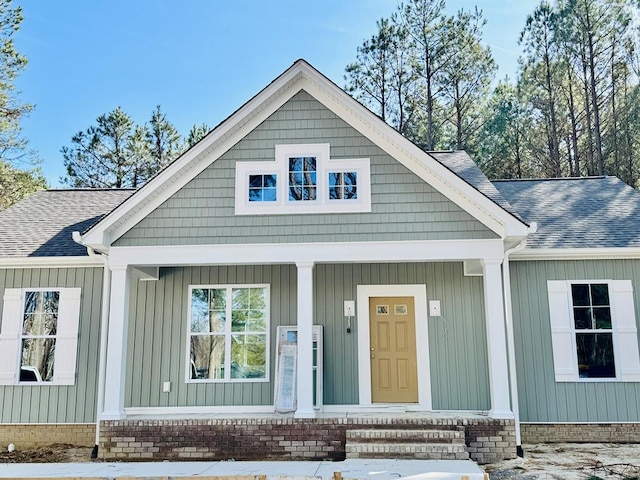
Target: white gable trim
x=176, y=175
x=301, y=76
x=421, y=163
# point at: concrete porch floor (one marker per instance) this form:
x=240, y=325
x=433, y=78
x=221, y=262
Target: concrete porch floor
x=393, y=412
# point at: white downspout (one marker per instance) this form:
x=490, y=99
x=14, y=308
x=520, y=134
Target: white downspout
x=513, y=381
x=104, y=329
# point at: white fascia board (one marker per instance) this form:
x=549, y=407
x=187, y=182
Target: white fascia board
x=49, y=262
x=437, y=175
x=193, y=162
x=285, y=253
x=617, y=253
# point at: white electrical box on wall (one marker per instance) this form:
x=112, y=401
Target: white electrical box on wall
x=434, y=308
x=349, y=308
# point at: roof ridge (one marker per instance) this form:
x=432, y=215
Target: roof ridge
x=594, y=177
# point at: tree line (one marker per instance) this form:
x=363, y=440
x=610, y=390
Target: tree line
x=113, y=153
x=573, y=109
x=19, y=174
x=117, y=153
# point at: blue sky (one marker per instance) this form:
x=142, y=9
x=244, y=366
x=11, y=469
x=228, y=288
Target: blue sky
x=198, y=59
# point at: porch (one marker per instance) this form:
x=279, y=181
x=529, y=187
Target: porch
x=328, y=436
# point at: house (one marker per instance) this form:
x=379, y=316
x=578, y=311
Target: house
x=304, y=278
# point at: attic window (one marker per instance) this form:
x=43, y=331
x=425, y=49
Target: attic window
x=262, y=188
x=312, y=183
x=302, y=179
x=343, y=185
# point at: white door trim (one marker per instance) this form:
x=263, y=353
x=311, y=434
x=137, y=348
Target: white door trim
x=419, y=294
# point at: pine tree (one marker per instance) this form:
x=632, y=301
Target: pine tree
x=16, y=181
x=99, y=157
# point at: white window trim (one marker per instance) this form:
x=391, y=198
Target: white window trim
x=280, y=168
x=227, y=334
x=624, y=331
x=64, y=371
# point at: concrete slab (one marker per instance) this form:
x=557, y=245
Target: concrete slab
x=349, y=469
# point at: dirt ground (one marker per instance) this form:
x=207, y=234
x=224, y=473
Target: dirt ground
x=561, y=461
x=59, y=453
x=571, y=461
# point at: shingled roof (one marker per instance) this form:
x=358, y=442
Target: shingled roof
x=594, y=212
x=460, y=163
x=42, y=224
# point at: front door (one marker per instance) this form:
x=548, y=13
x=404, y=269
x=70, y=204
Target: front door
x=394, y=370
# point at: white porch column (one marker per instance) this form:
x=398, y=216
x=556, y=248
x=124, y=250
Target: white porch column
x=117, y=344
x=305, y=341
x=496, y=340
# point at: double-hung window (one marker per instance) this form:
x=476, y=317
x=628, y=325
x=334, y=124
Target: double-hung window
x=228, y=333
x=39, y=328
x=39, y=335
x=593, y=330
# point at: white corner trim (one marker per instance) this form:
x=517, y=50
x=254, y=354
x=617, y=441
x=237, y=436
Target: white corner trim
x=263, y=254
x=49, y=262
x=300, y=76
x=419, y=294
x=613, y=253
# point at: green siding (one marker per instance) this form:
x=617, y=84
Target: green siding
x=457, y=341
x=541, y=399
x=158, y=336
x=404, y=207
x=59, y=404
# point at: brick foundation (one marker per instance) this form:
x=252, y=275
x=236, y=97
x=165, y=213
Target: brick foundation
x=490, y=440
x=580, y=432
x=283, y=438
x=39, y=435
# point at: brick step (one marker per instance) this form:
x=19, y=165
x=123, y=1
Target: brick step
x=405, y=443
x=422, y=451
x=405, y=436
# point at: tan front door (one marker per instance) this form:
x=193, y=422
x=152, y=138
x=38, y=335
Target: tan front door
x=394, y=370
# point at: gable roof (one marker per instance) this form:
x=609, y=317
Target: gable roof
x=593, y=212
x=42, y=224
x=300, y=76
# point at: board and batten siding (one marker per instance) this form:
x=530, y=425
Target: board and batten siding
x=541, y=399
x=59, y=403
x=404, y=207
x=158, y=329
x=158, y=336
